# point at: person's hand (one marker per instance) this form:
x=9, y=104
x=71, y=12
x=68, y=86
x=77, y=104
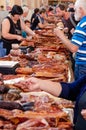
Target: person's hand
x=59, y=33
x=72, y=30
x=34, y=83
x=20, y=38
x=65, y=30
x=28, y=38
x=83, y=113
x=38, y=84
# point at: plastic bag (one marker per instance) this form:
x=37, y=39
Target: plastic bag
x=2, y=50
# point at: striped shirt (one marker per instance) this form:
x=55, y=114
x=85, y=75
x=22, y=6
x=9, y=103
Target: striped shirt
x=79, y=39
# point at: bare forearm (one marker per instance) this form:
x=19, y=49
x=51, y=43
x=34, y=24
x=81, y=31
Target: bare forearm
x=29, y=31
x=42, y=25
x=67, y=42
x=72, y=47
x=9, y=36
x=52, y=88
x=26, y=29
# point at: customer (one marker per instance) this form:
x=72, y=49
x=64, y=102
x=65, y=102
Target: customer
x=12, y=27
x=67, y=18
x=75, y=91
x=78, y=43
x=69, y=24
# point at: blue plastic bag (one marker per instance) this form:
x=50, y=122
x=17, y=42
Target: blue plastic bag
x=2, y=50
x=24, y=34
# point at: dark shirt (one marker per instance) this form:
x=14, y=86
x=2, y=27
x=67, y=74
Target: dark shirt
x=75, y=91
x=38, y=19
x=68, y=23
x=35, y=23
x=81, y=122
x=14, y=29
x=33, y=17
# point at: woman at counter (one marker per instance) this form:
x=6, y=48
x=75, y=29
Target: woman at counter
x=12, y=27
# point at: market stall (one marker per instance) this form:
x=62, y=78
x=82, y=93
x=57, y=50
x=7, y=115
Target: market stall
x=45, y=58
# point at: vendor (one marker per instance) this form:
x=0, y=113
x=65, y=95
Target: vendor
x=12, y=27
x=39, y=21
